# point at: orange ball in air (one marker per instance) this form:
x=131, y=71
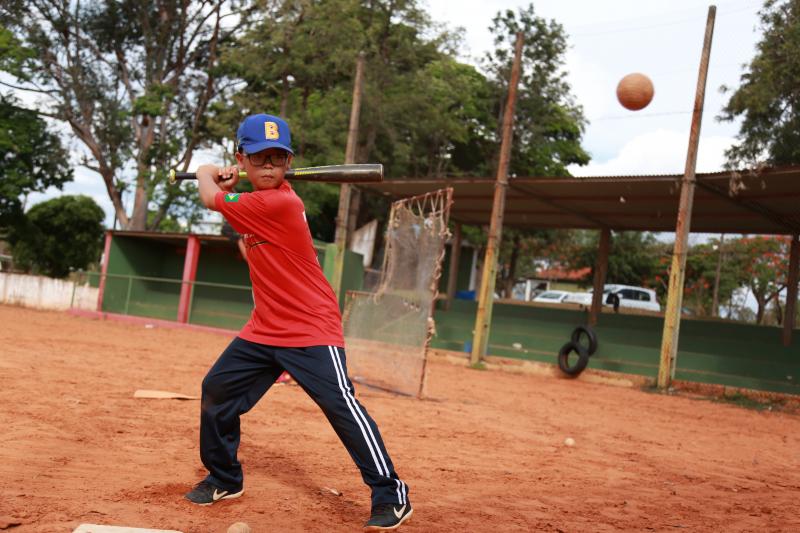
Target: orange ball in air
x=635, y=91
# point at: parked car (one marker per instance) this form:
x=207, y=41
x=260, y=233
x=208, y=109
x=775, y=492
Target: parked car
x=626, y=296
x=551, y=297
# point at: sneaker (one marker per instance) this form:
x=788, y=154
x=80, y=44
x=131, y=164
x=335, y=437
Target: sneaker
x=387, y=516
x=204, y=493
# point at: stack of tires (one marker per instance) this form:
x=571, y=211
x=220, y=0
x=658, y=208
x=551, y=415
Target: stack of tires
x=583, y=342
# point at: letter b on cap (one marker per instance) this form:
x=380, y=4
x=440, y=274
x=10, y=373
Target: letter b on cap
x=271, y=131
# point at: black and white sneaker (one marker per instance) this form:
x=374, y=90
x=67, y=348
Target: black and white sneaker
x=204, y=493
x=386, y=517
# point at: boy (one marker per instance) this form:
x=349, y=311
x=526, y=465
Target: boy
x=295, y=326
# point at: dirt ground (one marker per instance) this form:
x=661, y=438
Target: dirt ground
x=486, y=453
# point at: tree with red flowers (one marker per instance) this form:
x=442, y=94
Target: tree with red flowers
x=764, y=261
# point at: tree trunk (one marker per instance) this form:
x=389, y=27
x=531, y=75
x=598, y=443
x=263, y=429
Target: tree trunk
x=304, y=114
x=114, y=194
x=141, y=199
x=761, y=308
x=715, y=298
x=512, y=269
x=284, y=95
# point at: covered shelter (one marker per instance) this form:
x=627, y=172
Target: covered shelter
x=763, y=201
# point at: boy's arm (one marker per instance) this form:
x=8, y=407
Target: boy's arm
x=212, y=179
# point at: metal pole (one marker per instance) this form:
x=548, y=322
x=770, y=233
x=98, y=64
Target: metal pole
x=128, y=295
x=74, y=286
x=342, y=217
x=600, y=273
x=791, y=292
x=672, y=315
x=101, y=291
x=191, y=302
x=483, y=318
x=189, y=277
x=455, y=257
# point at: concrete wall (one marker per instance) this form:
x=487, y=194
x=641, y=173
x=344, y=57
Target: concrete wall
x=40, y=292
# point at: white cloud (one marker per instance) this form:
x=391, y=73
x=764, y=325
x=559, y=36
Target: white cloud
x=659, y=152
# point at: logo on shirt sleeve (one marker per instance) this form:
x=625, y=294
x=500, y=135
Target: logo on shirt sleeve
x=232, y=197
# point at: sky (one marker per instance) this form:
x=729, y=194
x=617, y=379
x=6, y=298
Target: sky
x=607, y=40
x=613, y=38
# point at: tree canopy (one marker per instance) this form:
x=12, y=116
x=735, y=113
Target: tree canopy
x=59, y=235
x=766, y=99
x=548, y=123
x=132, y=79
x=144, y=84
x=31, y=159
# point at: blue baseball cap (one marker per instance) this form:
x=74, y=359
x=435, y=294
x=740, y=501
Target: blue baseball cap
x=259, y=132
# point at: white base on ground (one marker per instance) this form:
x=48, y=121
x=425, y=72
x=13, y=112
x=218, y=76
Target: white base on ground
x=161, y=394
x=94, y=528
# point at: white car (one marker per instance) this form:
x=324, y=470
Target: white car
x=551, y=297
x=628, y=296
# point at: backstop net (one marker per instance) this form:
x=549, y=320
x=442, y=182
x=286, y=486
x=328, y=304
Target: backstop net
x=388, y=331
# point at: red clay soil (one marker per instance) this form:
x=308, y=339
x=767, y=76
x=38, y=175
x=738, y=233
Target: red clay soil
x=486, y=453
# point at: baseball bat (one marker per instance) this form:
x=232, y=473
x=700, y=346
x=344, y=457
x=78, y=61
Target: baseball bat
x=357, y=173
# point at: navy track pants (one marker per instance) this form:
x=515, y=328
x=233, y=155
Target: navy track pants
x=243, y=374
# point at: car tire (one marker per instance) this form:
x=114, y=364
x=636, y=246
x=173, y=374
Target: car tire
x=591, y=335
x=563, y=359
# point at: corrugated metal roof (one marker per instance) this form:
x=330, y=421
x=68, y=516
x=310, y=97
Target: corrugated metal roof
x=760, y=202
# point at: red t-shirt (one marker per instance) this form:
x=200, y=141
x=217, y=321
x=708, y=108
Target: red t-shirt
x=294, y=303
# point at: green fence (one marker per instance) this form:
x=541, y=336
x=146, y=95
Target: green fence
x=220, y=305
x=727, y=353
x=142, y=296
x=720, y=352
x=144, y=279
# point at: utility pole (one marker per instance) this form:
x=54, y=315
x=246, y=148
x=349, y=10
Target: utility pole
x=343, y=215
x=672, y=314
x=488, y=277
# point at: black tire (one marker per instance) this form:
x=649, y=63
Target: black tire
x=591, y=335
x=580, y=364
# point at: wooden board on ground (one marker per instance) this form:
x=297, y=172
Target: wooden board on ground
x=163, y=395
x=95, y=528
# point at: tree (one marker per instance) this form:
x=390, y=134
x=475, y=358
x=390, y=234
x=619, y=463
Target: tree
x=765, y=265
x=524, y=251
x=635, y=258
x=31, y=159
x=132, y=79
x=298, y=60
x=59, y=235
x=548, y=124
x=701, y=273
x=418, y=102
x=766, y=99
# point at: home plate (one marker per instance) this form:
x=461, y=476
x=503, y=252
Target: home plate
x=94, y=528
x=162, y=394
